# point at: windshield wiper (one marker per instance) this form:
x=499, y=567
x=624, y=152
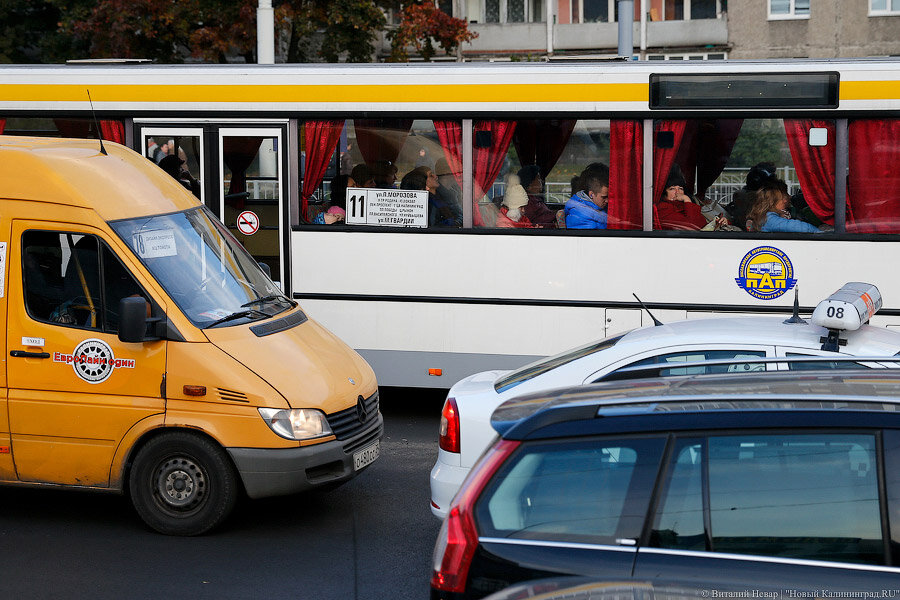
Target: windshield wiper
x=239, y=315
x=269, y=298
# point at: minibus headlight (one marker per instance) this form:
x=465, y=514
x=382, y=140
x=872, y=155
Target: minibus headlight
x=296, y=423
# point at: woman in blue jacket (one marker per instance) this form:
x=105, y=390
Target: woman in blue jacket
x=586, y=209
x=770, y=212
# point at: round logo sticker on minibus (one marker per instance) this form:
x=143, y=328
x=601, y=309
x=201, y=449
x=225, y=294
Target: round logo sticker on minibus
x=766, y=273
x=93, y=361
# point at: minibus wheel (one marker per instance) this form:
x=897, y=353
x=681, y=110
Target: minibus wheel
x=182, y=484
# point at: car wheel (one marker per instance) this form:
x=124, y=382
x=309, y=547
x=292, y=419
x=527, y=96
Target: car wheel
x=182, y=484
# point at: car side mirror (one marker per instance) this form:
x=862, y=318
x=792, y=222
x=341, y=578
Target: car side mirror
x=266, y=269
x=132, y=319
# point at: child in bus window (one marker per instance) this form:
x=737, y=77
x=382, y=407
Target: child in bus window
x=512, y=207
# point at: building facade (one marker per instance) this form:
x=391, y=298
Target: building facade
x=820, y=29
x=678, y=29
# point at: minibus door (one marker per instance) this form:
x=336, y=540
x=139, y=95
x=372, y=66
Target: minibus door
x=7, y=472
x=252, y=194
x=74, y=389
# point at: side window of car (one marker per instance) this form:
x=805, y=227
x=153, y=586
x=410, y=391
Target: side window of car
x=590, y=491
x=680, y=361
x=812, y=366
x=811, y=496
x=62, y=280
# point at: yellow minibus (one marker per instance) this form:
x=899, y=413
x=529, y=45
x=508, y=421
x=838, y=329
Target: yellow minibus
x=147, y=353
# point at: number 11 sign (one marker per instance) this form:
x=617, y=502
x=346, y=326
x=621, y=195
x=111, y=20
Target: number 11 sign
x=389, y=208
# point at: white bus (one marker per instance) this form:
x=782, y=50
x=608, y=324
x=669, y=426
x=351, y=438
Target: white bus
x=455, y=286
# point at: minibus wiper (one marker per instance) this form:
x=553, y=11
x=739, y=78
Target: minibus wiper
x=239, y=315
x=269, y=298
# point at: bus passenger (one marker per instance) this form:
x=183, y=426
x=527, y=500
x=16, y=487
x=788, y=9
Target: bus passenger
x=448, y=190
x=536, y=210
x=384, y=172
x=743, y=199
x=586, y=209
x=337, y=202
x=512, y=207
x=770, y=213
x=440, y=214
x=676, y=210
x=361, y=177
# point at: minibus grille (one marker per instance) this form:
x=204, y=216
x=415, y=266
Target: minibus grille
x=364, y=440
x=347, y=423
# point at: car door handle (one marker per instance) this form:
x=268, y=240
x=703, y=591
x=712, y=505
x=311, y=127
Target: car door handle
x=24, y=354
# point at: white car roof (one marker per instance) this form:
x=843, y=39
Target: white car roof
x=869, y=340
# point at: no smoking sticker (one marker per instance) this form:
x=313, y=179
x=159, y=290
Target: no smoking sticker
x=248, y=222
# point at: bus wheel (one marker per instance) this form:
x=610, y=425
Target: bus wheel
x=182, y=484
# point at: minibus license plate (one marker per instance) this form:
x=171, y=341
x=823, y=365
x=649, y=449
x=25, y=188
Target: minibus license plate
x=365, y=456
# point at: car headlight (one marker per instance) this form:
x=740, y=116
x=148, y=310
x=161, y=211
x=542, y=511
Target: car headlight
x=296, y=423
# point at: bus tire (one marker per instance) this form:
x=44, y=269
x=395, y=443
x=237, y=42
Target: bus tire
x=182, y=484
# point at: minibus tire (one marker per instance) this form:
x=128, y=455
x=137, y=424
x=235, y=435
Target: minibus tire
x=182, y=484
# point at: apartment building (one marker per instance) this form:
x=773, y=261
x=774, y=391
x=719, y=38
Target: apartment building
x=680, y=29
x=807, y=29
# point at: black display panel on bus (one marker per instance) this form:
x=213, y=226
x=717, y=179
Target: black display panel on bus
x=745, y=90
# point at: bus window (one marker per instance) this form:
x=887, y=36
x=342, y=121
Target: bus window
x=707, y=174
x=380, y=153
x=110, y=129
x=872, y=203
x=589, y=164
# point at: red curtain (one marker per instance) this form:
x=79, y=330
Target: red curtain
x=491, y=140
x=114, y=131
x=663, y=159
x=626, y=167
x=541, y=142
x=814, y=164
x=488, y=158
x=2, y=125
x=381, y=139
x=450, y=135
x=321, y=139
x=872, y=199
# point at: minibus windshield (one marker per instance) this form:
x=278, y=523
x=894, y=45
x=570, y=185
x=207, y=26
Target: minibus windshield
x=204, y=269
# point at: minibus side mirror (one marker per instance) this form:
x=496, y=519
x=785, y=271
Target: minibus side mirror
x=132, y=319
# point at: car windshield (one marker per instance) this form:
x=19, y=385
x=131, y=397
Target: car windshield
x=530, y=371
x=203, y=268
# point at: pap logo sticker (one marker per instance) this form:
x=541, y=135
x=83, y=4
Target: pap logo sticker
x=93, y=361
x=766, y=273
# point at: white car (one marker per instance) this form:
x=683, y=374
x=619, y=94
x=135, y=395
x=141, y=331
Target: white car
x=837, y=324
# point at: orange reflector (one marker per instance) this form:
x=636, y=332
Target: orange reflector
x=195, y=390
x=4, y=449
x=435, y=372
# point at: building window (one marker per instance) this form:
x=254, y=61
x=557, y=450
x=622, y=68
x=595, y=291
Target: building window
x=788, y=9
x=512, y=11
x=881, y=8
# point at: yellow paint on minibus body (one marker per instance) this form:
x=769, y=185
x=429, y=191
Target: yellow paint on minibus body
x=870, y=90
x=311, y=94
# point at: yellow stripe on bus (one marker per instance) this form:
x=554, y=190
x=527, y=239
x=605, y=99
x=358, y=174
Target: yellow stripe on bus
x=870, y=90
x=476, y=93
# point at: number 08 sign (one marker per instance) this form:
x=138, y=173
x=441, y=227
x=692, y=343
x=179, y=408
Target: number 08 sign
x=390, y=208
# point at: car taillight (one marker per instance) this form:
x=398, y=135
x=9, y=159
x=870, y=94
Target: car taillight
x=449, y=439
x=458, y=539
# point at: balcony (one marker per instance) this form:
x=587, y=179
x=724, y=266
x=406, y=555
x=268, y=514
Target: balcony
x=500, y=38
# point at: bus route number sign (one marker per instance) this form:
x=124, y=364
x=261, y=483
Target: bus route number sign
x=387, y=208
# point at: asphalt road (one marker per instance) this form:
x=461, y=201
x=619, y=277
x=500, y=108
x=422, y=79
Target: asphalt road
x=371, y=538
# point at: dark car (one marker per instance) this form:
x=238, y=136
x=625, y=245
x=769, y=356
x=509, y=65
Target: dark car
x=731, y=480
